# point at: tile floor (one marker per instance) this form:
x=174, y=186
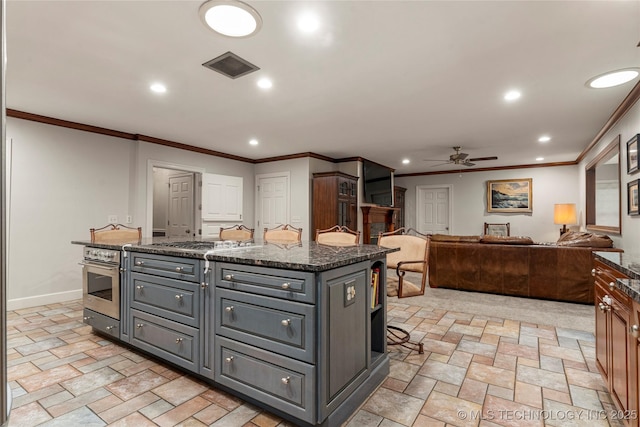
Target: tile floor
x=476, y=370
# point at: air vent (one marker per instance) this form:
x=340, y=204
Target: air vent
x=231, y=65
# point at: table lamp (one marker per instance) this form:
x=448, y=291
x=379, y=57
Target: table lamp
x=563, y=214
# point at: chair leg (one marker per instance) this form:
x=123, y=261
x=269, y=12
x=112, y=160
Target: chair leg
x=398, y=336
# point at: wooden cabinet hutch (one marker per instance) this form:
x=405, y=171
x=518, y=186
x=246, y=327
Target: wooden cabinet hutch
x=335, y=201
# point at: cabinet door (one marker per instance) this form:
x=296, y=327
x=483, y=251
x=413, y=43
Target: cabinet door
x=221, y=197
x=620, y=355
x=603, y=317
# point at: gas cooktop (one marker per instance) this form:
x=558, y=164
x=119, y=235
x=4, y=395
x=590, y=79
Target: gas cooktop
x=207, y=245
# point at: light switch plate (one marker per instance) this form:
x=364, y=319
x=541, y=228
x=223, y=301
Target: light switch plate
x=112, y=219
x=349, y=292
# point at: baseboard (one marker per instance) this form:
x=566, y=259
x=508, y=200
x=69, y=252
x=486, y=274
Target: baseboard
x=28, y=302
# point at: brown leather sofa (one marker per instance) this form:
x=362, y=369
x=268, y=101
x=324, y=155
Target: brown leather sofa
x=517, y=266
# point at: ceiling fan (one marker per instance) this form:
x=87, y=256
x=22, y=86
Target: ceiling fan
x=459, y=158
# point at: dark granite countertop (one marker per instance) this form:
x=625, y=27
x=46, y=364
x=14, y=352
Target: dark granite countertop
x=628, y=265
x=305, y=256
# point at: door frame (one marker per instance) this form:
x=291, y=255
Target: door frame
x=449, y=187
x=148, y=228
x=256, y=203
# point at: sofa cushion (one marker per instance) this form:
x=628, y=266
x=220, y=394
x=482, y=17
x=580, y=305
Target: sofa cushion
x=454, y=239
x=584, y=239
x=507, y=240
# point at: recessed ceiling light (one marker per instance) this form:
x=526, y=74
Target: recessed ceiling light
x=512, y=95
x=265, y=83
x=544, y=138
x=158, y=88
x=539, y=159
x=613, y=78
x=406, y=161
x=230, y=18
x=253, y=141
x=308, y=23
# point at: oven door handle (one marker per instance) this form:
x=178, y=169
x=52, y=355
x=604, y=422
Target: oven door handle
x=85, y=264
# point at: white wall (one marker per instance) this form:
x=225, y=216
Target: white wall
x=551, y=185
x=627, y=127
x=63, y=182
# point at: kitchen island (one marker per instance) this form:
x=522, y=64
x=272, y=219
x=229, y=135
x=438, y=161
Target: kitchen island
x=293, y=328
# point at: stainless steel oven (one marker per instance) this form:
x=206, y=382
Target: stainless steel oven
x=101, y=281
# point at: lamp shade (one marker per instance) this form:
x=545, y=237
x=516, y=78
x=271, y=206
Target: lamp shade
x=565, y=214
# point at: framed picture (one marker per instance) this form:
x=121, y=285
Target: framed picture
x=632, y=197
x=510, y=195
x=632, y=155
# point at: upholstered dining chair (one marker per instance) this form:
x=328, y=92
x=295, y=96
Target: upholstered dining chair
x=338, y=236
x=237, y=232
x=413, y=256
x=282, y=234
x=116, y=233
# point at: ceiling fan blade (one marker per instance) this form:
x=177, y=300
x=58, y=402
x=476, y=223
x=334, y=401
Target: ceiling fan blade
x=468, y=163
x=478, y=159
x=441, y=164
x=459, y=156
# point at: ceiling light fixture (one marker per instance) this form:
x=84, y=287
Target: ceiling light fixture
x=265, y=83
x=158, y=88
x=544, y=138
x=613, y=78
x=406, y=161
x=539, y=159
x=230, y=18
x=253, y=142
x=308, y=23
x=512, y=95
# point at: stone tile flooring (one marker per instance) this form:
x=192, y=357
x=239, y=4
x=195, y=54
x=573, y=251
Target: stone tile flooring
x=476, y=370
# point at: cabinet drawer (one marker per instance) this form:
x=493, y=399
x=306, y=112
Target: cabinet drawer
x=171, y=341
x=283, y=383
x=291, y=285
x=173, y=299
x=166, y=266
x=284, y=327
x=605, y=278
x=101, y=323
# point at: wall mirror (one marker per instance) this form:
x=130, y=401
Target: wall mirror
x=603, y=190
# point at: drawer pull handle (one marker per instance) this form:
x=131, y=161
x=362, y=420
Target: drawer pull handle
x=594, y=272
x=179, y=269
x=108, y=328
x=286, y=322
x=204, y=285
x=635, y=330
x=228, y=309
x=229, y=359
x=139, y=325
x=139, y=287
x=228, y=277
x=286, y=285
x=612, y=285
x=178, y=340
x=286, y=380
x=87, y=318
x=179, y=297
x=139, y=263
x=604, y=307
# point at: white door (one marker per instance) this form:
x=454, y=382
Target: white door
x=180, y=221
x=272, y=207
x=433, y=214
x=221, y=197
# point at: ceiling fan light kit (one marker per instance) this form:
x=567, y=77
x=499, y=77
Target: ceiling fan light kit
x=459, y=158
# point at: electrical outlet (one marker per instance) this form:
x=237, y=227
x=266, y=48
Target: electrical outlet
x=112, y=219
x=129, y=219
x=349, y=293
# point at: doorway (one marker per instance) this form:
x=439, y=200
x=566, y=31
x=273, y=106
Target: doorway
x=433, y=204
x=272, y=200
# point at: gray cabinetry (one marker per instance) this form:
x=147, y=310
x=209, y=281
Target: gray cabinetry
x=164, y=295
x=299, y=342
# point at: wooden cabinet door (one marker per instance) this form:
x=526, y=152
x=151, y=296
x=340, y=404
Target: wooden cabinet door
x=603, y=317
x=620, y=368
